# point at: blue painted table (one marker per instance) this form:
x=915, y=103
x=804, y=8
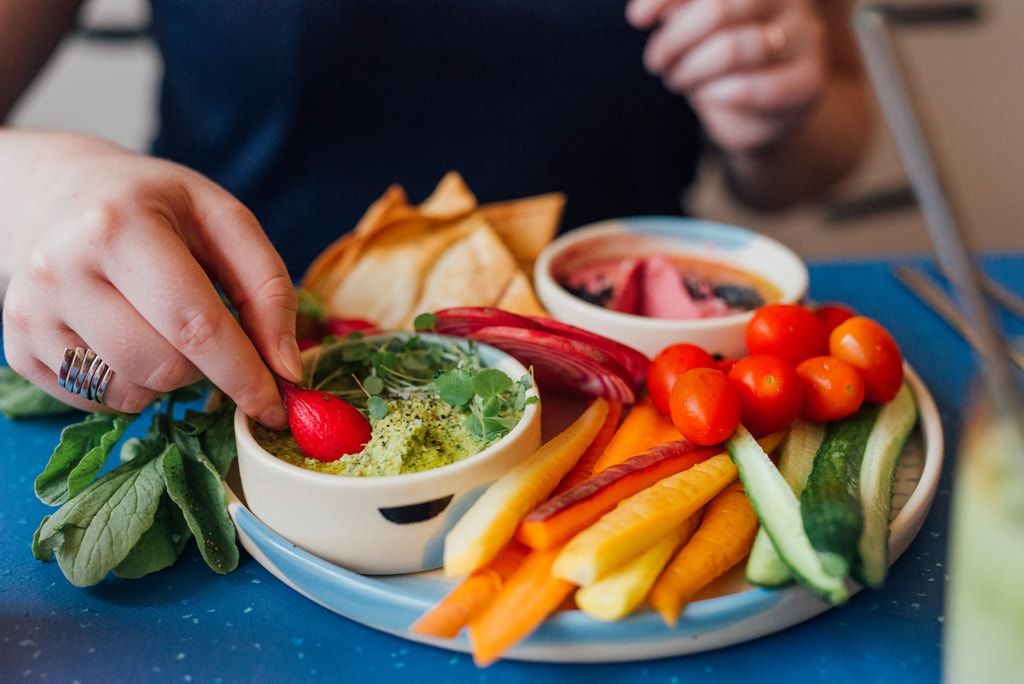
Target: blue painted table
x=188, y=624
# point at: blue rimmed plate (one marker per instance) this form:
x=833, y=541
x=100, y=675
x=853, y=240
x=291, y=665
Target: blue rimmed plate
x=728, y=612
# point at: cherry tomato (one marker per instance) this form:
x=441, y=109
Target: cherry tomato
x=868, y=347
x=831, y=315
x=668, y=365
x=725, y=365
x=788, y=331
x=705, y=406
x=770, y=391
x=833, y=389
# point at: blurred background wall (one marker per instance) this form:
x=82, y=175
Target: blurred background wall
x=972, y=80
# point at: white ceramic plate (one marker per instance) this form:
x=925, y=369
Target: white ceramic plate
x=729, y=612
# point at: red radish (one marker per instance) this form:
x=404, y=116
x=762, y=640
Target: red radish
x=325, y=427
x=344, y=326
x=563, y=363
x=466, y=320
x=633, y=361
x=307, y=343
x=463, y=321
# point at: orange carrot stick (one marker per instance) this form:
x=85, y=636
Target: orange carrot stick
x=522, y=604
x=723, y=539
x=584, y=467
x=557, y=520
x=454, y=611
x=642, y=429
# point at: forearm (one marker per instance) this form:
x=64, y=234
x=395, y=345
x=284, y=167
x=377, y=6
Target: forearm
x=811, y=157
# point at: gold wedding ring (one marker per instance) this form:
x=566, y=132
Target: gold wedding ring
x=84, y=373
x=777, y=41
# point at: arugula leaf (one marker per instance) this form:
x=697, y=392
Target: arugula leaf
x=193, y=484
x=82, y=451
x=160, y=545
x=96, y=530
x=19, y=398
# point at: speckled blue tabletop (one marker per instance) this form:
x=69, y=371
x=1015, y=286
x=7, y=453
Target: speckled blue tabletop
x=189, y=624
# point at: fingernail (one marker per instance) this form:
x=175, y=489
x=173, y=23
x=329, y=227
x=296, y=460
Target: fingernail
x=288, y=348
x=274, y=417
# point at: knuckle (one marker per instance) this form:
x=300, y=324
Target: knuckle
x=17, y=314
x=169, y=375
x=250, y=395
x=42, y=267
x=20, y=361
x=278, y=291
x=101, y=222
x=132, y=399
x=200, y=333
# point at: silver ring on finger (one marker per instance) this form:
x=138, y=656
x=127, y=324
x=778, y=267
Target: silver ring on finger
x=777, y=41
x=82, y=372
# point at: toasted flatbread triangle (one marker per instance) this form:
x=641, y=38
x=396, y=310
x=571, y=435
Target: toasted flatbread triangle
x=520, y=298
x=472, y=272
x=384, y=284
x=323, y=274
x=526, y=225
x=451, y=199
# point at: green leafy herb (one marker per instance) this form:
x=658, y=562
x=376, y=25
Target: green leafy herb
x=455, y=387
x=193, y=484
x=377, y=407
x=491, y=382
x=309, y=305
x=19, y=398
x=160, y=545
x=424, y=322
x=81, y=452
x=373, y=385
x=138, y=518
x=96, y=530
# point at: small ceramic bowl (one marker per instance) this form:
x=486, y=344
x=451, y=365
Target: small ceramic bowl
x=378, y=525
x=704, y=240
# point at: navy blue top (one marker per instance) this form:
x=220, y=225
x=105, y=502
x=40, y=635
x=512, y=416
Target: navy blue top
x=308, y=109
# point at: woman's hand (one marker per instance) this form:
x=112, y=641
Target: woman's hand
x=121, y=253
x=752, y=69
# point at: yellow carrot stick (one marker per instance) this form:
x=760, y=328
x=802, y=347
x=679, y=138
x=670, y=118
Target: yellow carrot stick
x=492, y=520
x=522, y=604
x=641, y=520
x=642, y=429
x=723, y=540
x=454, y=611
x=584, y=467
x=616, y=595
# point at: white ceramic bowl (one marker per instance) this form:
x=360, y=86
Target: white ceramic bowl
x=378, y=525
x=705, y=240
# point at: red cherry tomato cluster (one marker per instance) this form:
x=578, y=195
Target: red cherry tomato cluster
x=820, y=365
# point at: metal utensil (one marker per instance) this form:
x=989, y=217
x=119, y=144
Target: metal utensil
x=930, y=293
x=873, y=23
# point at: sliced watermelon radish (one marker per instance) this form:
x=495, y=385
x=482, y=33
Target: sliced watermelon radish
x=562, y=363
x=633, y=361
x=462, y=321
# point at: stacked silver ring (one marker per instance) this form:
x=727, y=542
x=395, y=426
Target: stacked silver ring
x=83, y=372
